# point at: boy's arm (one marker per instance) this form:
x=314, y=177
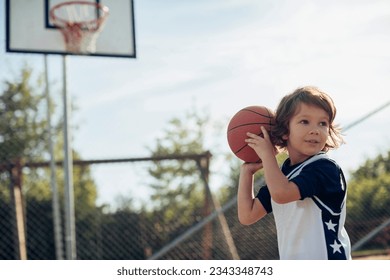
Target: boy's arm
x=281, y=189
x=250, y=209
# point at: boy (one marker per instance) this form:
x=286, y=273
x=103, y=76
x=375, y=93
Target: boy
x=307, y=195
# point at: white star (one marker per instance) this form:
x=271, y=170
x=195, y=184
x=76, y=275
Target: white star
x=336, y=247
x=330, y=225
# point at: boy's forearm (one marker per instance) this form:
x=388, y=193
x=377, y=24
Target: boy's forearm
x=280, y=188
x=245, y=192
x=248, y=211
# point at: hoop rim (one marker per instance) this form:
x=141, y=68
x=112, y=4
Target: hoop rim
x=60, y=22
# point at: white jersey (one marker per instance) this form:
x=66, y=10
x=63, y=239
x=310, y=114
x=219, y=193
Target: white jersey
x=313, y=227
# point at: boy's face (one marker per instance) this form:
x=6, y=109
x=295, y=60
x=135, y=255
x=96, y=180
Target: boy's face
x=308, y=132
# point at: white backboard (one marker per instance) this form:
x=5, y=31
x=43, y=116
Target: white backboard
x=30, y=30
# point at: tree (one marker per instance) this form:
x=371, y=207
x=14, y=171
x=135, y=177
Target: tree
x=369, y=189
x=369, y=197
x=22, y=134
x=179, y=192
x=23, y=137
x=373, y=168
x=176, y=181
x=22, y=126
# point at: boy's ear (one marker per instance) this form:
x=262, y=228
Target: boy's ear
x=285, y=137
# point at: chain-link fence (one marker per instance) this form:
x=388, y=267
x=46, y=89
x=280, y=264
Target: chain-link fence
x=135, y=227
x=126, y=229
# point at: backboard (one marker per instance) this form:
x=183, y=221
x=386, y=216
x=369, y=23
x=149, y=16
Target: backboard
x=29, y=29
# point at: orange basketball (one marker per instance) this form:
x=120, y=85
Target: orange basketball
x=248, y=119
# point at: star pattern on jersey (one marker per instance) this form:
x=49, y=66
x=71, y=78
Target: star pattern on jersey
x=330, y=225
x=336, y=247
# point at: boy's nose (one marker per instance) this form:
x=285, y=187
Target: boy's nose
x=314, y=131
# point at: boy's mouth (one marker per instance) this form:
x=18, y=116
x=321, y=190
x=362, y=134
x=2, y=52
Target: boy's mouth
x=312, y=141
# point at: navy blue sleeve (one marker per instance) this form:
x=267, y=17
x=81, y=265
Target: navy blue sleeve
x=265, y=198
x=323, y=179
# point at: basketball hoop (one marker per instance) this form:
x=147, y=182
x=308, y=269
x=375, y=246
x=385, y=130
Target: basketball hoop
x=80, y=23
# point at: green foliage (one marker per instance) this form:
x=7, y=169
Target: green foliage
x=22, y=126
x=369, y=195
x=177, y=180
x=23, y=137
x=373, y=168
x=369, y=188
x=368, y=202
x=178, y=188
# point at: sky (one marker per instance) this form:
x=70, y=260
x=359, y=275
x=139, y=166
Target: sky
x=220, y=56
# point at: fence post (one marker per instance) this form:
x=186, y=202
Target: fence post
x=204, y=167
x=208, y=230
x=18, y=210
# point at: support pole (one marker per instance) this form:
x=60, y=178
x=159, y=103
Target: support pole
x=53, y=181
x=70, y=234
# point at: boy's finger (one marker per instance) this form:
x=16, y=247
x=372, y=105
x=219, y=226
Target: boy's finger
x=265, y=132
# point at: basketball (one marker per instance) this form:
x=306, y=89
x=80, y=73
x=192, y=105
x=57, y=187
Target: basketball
x=248, y=119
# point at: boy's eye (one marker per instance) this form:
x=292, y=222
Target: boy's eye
x=324, y=124
x=304, y=122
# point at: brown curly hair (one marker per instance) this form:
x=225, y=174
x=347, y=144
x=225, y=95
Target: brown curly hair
x=287, y=108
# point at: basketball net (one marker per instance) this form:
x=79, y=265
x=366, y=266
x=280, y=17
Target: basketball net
x=80, y=23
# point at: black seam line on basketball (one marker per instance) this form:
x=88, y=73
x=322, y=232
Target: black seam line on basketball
x=249, y=124
x=243, y=148
x=239, y=150
x=257, y=113
x=246, y=145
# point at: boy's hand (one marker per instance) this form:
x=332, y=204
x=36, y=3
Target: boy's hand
x=251, y=168
x=262, y=145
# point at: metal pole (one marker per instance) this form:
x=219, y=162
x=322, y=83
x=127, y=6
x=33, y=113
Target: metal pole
x=193, y=230
x=70, y=235
x=380, y=108
x=370, y=235
x=53, y=182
